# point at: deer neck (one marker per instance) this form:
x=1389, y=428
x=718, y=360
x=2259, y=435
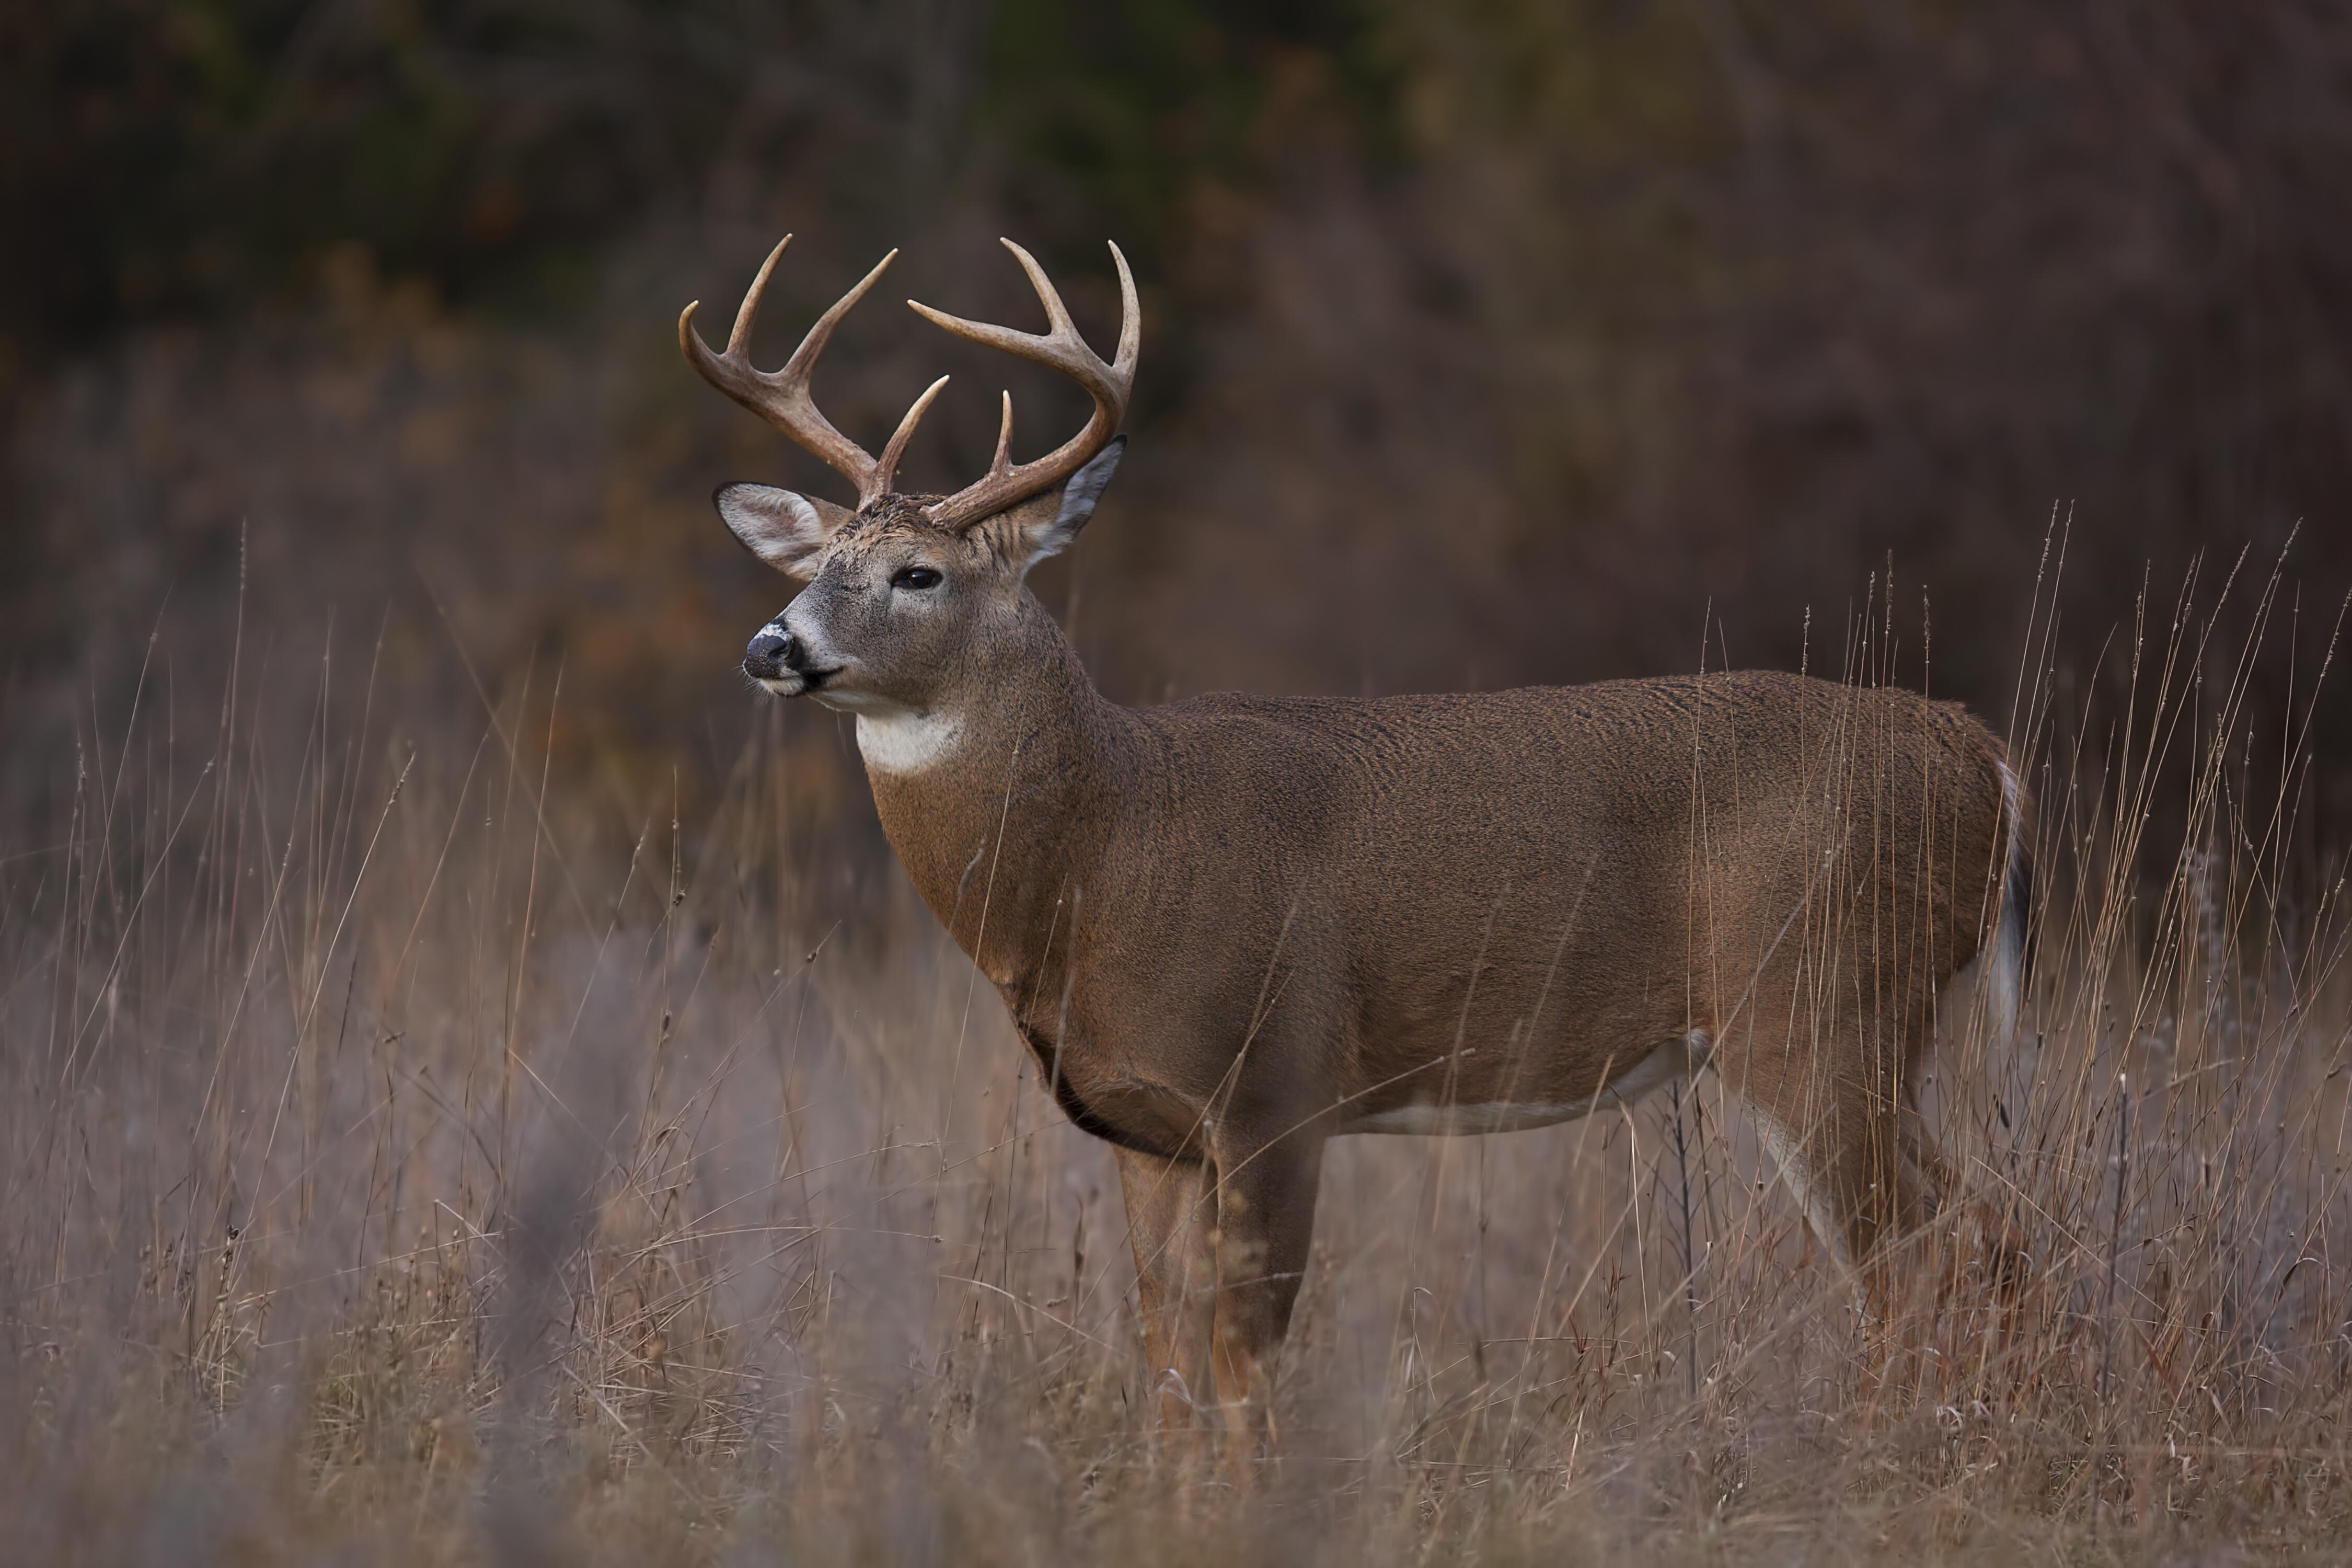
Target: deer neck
x=998, y=801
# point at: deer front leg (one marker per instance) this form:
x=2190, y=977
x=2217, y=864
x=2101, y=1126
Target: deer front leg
x=1219, y=1250
x=1172, y=1222
x=1266, y=1226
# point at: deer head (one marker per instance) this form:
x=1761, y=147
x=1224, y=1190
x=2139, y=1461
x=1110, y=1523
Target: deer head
x=911, y=597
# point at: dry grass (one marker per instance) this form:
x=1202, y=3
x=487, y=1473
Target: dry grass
x=402, y=1160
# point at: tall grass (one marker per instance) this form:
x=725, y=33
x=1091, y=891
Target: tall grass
x=402, y=1152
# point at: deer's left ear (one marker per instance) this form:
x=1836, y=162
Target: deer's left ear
x=1050, y=533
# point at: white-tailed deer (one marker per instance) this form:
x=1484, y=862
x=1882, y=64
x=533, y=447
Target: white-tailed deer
x=1234, y=927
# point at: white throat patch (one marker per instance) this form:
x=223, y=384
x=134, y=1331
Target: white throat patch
x=897, y=740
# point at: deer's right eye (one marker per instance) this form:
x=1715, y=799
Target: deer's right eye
x=917, y=578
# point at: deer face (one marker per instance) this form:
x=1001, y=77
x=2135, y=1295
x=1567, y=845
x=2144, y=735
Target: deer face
x=900, y=612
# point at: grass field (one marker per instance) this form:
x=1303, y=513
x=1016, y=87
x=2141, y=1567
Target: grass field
x=412, y=1149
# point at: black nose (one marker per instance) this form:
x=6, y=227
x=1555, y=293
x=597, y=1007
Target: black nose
x=769, y=655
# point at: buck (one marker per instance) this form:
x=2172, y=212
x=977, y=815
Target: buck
x=1234, y=927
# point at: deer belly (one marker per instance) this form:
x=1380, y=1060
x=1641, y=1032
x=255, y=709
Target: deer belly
x=1676, y=1059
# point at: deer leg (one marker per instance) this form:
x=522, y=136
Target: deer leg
x=1858, y=1171
x=1266, y=1226
x=1172, y=1224
x=1986, y=1233
x=1926, y=1179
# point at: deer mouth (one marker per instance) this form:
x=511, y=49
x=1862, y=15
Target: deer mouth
x=781, y=681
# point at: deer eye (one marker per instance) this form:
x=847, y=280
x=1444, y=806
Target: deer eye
x=916, y=578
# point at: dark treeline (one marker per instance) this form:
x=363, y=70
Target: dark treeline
x=1487, y=341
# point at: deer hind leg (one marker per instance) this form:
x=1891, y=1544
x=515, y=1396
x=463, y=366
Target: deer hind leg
x=1925, y=1179
x=1855, y=1153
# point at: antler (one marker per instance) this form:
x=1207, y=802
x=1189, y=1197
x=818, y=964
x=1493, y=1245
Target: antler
x=1062, y=349
x=782, y=397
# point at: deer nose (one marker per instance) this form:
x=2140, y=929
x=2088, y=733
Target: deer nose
x=771, y=655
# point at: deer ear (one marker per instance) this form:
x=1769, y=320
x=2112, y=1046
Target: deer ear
x=782, y=528
x=1052, y=536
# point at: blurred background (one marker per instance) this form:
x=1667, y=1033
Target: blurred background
x=1486, y=342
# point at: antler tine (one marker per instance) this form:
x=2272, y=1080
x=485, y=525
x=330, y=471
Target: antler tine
x=1002, y=462
x=747, y=312
x=889, y=467
x=782, y=397
x=1057, y=315
x=1059, y=348
x=1130, y=320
